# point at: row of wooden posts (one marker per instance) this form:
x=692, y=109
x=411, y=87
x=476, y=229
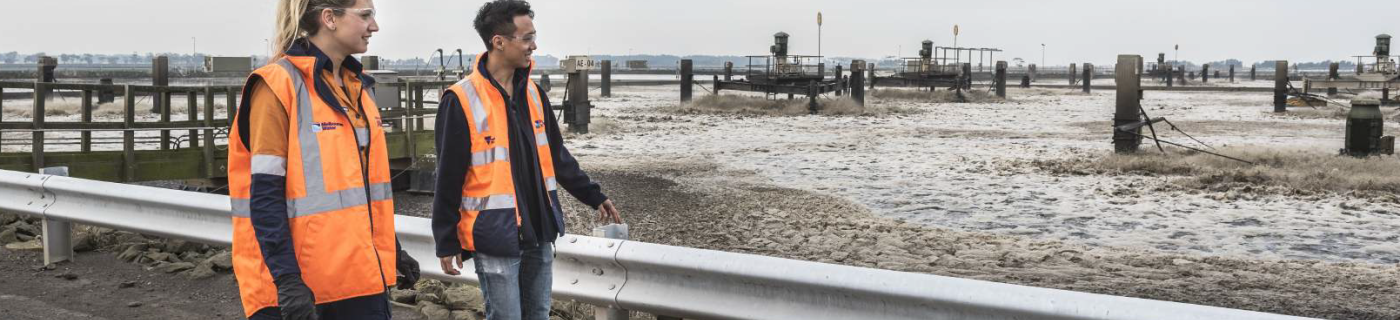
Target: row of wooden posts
x=202, y=130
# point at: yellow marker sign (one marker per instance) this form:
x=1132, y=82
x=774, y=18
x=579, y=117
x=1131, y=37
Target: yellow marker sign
x=819, y=18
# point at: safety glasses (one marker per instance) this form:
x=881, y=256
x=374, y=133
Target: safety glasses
x=364, y=13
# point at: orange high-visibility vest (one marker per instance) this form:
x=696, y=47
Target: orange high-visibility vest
x=489, y=214
x=342, y=249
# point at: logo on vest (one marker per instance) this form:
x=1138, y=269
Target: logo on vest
x=323, y=126
x=490, y=140
x=539, y=124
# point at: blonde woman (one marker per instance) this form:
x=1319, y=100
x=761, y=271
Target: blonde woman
x=309, y=180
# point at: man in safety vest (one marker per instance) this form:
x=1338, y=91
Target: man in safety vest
x=501, y=160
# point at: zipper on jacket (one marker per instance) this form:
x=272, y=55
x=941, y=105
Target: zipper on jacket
x=363, y=155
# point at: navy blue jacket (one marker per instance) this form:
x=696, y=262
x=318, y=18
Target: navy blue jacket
x=539, y=223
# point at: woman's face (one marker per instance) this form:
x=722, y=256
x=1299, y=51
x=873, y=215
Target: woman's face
x=353, y=29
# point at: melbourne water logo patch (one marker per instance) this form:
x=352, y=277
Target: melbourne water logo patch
x=323, y=126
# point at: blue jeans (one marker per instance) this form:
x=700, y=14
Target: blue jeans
x=517, y=287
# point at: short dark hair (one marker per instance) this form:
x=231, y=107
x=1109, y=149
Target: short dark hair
x=498, y=18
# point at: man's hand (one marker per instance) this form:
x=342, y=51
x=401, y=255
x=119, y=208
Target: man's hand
x=607, y=210
x=408, y=271
x=294, y=299
x=449, y=262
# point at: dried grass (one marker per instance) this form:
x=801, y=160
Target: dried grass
x=973, y=96
x=1291, y=170
x=746, y=105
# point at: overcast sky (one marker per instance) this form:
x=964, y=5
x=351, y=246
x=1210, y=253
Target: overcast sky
x=1072, y=31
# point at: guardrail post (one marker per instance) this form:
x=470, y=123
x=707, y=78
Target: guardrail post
x=57, y=234
x=1128, y=103
x=1252, y=74
x=1332, y=75
x=619, y=232
x=1232, y=73
x=1000, y=79
x=129, y=137
x=1281, y=86
x=209, y=132
x=1088, y=76
x=687, y=79
x=86, y=144
x=418, y=105
x=37, y=144
x=607, y=78
x=1181, y=75
x=1030, y=72
x=192, y=113
x=1205, y=73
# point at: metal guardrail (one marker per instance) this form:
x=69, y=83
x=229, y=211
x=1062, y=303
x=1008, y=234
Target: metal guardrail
x=646, y=277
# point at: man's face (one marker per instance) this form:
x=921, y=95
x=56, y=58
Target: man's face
x=519, y=47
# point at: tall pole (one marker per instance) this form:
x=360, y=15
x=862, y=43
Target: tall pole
x=819, y=35
x=1042, y=54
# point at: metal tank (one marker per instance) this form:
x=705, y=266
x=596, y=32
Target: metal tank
x=1365, y=125
x=1382, y=45
x=780, y=44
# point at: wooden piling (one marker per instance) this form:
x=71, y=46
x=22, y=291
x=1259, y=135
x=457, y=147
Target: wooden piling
x=858, y=81
x=1128, y=105
x=160, y=77
x=728, y=70
x=1332, y=74
x=128, y=136
x=1088, y=76
x=208, y=147
x=165, y=96
x=1281, y=86
x=192, y=114
x=1000, y=79
x=607, y=78
x=37, y=144
x=687, y=79
x=86, y=144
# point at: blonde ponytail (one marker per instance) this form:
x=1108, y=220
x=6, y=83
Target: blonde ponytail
x=300, y=18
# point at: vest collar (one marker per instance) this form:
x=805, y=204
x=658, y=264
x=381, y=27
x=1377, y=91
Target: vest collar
x=482, y=74
x=303, y=51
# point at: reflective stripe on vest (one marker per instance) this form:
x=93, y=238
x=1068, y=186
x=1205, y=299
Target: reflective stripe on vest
x=317, y=199
x=490, y=156
x=478, y=109
x=503, y=201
